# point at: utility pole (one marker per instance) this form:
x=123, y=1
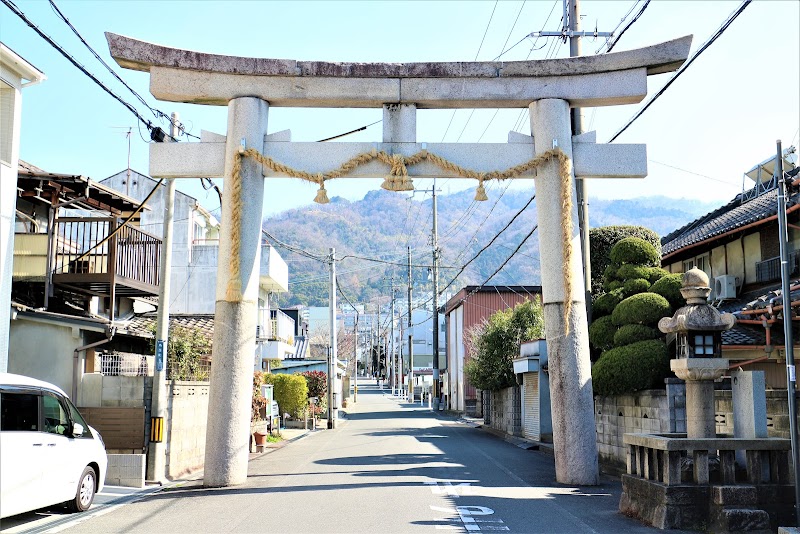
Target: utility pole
x=393, y=348
x=581, y=193
x=435, y=243
x=410, y=336
x=333, y=411
x=156, y=452
x=791, y=376
x=355, y=358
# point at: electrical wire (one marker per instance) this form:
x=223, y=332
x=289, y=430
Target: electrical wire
x=9, y=4
x=683, y=67
x=348, y=133
x=628, y=25
x=157, y=113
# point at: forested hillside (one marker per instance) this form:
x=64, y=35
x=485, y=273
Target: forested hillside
x=383, y=224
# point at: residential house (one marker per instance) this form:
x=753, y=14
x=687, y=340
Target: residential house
x=737, y=246
x=465, y=312
x=15, y=74
x=195, y=254
x=77, y=271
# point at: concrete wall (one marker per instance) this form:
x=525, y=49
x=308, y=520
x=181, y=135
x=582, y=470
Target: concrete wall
x=44, y=350
x=187, y=406
x=777, y=413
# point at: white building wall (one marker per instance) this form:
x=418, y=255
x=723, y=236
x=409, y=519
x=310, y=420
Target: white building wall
x=13, y=70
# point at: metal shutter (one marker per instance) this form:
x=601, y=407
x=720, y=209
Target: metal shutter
x=530, y=423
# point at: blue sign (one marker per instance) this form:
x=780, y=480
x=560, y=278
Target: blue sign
x=160, y=354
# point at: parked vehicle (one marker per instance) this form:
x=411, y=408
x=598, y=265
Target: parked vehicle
x=48, y=454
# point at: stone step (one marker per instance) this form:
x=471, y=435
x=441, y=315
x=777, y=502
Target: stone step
x=742, y=520
x=740, y=496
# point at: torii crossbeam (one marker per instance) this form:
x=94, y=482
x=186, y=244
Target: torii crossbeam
x=249, y=86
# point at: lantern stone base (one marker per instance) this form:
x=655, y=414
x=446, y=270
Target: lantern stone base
x=699, y=368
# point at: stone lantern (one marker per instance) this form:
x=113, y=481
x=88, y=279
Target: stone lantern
x=698, y=327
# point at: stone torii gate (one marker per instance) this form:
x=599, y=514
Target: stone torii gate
x=247, y=154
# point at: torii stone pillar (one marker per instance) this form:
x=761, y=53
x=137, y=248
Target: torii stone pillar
x=572, y=402
x=229, y=402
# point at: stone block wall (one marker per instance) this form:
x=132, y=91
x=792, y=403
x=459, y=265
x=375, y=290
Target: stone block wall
x=777, y=413
x=645, y=411
x=187, y=408
x=125, y=470
x=505, y=411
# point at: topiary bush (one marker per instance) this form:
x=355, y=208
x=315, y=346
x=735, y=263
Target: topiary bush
x=669, y=287
x=633, y=333
x=602, y=333
x=636, y=251
x=644, y=308
x=634, y=367
x=610, y=274
x=602, y=239
x=656, y=274
x=614, y=284
x=606, y=303
x=630, y=270
x=635, y=286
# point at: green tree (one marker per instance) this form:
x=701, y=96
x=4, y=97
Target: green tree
x=496, y=344
x=188, y=353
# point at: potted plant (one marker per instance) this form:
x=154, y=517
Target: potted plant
x=259, y=403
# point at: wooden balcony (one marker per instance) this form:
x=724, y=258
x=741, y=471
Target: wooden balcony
x=127, y=264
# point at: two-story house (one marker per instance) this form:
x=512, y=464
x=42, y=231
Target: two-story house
x=193, y=277
x=737, y=246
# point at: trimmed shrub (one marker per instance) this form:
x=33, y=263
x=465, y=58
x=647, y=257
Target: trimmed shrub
x=644, y=308
x=602, y=333
x=629, y=271
x=637, y=251
x=656, y=274
x=633, y=333
x=614, y=284
x=606, y=303
x=635, y=286
x=669, y=287
x=602, y=239
x=610, y=274
x=635, y=367
x=290, y=392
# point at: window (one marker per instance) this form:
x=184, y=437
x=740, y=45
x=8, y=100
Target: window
x=56, y=420
x=20, y=412
x=703, y=345
x=76, y=417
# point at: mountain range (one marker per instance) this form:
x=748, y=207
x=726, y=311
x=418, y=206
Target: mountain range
x=371, y=237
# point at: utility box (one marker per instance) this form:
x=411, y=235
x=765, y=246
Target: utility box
x=531, y=370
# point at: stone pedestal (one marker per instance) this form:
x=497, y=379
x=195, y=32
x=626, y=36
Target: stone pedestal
x=699, y=374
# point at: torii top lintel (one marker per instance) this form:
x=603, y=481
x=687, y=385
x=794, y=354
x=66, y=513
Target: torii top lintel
x=588, y=81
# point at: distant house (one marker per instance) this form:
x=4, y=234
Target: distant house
x=15, y=74
x=466, y=311
x=737, y=246
x=195, y=254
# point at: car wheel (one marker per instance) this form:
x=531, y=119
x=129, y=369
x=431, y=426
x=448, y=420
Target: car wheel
x=85, y=493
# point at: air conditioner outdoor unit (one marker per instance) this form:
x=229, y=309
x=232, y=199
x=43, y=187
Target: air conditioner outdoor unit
x=725, y=286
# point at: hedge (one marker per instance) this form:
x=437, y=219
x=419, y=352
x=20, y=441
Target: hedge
x=602, y=332
x=635, y=250
x=669, y=287
x=635, y=367
x=602, y=239
x=635, y=286
x=633, y=333
x=290, y=392
x=614, y=284
x=644, y=308
x=656, y=274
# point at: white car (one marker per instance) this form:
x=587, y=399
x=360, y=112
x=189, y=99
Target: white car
x=48, y=454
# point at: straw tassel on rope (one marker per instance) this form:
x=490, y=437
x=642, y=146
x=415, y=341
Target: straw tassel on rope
x=322, y=194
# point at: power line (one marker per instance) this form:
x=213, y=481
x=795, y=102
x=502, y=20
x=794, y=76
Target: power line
x=348, y=133
x=685, y=66
x=628, y=25
x=156, y=112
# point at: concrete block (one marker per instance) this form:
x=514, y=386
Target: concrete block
x=126, y=470
x=91, y=391
x=734, y=495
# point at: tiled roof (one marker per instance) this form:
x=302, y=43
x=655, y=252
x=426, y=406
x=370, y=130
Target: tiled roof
x=144, y=324
x=731, y=216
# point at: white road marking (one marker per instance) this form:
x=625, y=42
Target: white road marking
x=466, y=515
x=448, y=488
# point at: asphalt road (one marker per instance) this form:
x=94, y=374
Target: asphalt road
x=388, y=467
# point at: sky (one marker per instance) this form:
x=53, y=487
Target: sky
x=715, y=122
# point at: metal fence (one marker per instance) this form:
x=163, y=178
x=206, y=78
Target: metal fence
x=125, y=364
x=194, y=370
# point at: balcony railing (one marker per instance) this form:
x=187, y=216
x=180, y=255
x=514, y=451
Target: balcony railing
x=130, y=258
x=770, y=270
